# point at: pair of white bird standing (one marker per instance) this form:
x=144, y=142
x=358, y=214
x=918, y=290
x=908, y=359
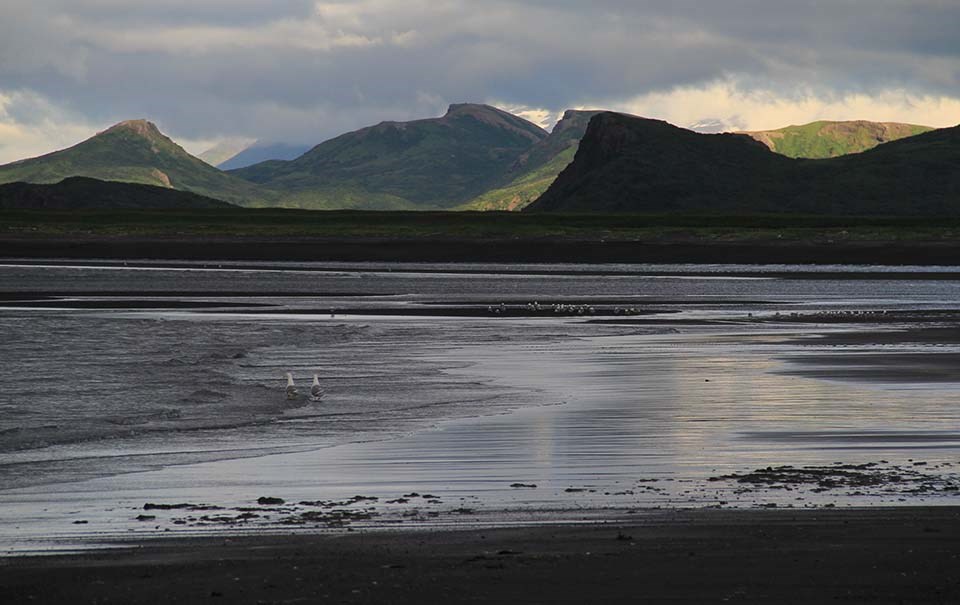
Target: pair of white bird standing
x=316, y=391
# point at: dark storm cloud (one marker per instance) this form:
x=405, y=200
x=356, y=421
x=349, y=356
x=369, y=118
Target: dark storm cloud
x=299, y=70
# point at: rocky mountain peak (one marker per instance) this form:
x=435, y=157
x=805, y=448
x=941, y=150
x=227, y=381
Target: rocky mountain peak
x=143, y=128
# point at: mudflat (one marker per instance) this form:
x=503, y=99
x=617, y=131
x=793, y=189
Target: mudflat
x=902, y=555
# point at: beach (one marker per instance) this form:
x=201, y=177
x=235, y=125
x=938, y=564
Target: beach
x=549, y=409
x=905, y=555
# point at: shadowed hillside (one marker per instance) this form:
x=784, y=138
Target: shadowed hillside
x=630, y=164
x=81, y=193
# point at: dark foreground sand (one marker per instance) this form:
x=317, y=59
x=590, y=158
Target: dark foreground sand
x=435, y=249
x=907, y=555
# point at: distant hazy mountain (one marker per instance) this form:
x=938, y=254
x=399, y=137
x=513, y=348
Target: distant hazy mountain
x=135, y=152
x=225, y=150
x=76, y=193
x=432, y=163
x=535, y=170
x=263, y=152
x=630, y=164
x=819, y=140
x=710, y=126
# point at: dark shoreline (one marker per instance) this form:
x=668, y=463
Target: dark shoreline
x=512, y=250
x=884, y=555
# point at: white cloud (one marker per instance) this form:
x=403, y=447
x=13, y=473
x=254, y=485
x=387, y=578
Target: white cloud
x=764, y=109
x=31, y=125
x=542, y=117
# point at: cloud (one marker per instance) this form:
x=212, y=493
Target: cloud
x=303, y=70
x=542, y=117
x=30, y=126
x=765, y=109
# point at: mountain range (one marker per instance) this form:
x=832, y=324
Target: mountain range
x=435, y=163
x=475, y=157
x=630, y=164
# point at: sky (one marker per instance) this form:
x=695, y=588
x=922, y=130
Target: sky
x=302, y=71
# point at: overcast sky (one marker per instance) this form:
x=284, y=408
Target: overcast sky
x=302, y=71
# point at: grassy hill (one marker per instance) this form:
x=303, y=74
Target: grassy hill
x=135, y=152
x=81, y=193
x=630, y=164
x=819, y=140
x=535, y=170
x=433, y=163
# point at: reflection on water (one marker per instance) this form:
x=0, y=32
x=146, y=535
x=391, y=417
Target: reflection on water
x=187, y=405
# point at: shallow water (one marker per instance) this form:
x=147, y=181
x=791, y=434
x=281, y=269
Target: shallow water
x=106, y=408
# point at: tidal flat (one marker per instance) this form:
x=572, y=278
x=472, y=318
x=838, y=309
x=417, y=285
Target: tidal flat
x=144, y=402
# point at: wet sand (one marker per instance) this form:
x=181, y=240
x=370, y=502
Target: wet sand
x=861, y=356
x=906, y=555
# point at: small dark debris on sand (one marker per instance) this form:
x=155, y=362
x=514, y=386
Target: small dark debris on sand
x=335, y=503
x=523, y=485
x=269, y=501
x=181, y=506
x=884, y=479
x=333, y=519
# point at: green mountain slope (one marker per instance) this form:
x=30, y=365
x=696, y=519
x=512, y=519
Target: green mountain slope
x=433, y=163
x=535, y=170
x=135, y=152
x=819, y=140
x=629, y=164
x=76, y=193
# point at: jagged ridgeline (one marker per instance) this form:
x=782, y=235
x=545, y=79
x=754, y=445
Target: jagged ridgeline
x=435, y=163
x=630, y=164
x=136, y=152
